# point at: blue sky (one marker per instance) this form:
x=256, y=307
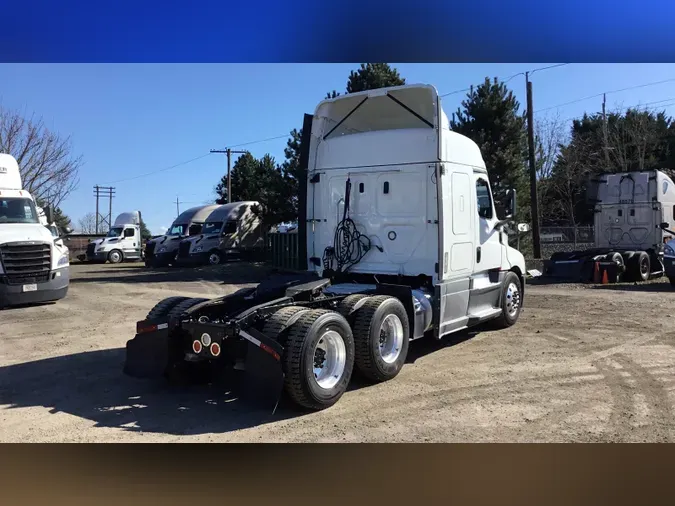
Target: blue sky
x=131, y=119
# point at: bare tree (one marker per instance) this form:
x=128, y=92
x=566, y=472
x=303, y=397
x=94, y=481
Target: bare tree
x=551, y=134
x=572, y=171
x=88, y=224
x=633, y=139
x=48, y=168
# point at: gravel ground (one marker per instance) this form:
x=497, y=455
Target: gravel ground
x=584, y=363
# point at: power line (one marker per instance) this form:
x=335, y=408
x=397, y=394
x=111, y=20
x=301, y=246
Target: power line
x=510, y=77
x=657, y=104
x=606, y=93
x=160, y=170
x=195, y=159
x=277, y=137
x=261, y=140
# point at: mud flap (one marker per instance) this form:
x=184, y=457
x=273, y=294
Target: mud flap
x=569, y=270
x=263, y=378
x=147, y=355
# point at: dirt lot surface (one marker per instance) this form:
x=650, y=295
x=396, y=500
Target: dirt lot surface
x=584, y=363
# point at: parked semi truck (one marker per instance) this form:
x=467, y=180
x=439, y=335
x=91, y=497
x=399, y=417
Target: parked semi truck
x=402, y=241
x=161, y=251
x=629, y=238
x=34, y=264
x=230, y=229
x=123, y=241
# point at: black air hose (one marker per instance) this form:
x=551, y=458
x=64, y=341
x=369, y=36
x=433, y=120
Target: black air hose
x=349, y=245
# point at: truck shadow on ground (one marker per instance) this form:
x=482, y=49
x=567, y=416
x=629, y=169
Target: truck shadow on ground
x=229, y=273
x=92, y=386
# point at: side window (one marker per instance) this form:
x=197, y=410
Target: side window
x=483, y=199
x=128, y=232
x=230, y=227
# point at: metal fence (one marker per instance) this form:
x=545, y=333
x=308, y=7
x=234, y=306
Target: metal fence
x=555, y=239
x=281, y=249
x=566, y=234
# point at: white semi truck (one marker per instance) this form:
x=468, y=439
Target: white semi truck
x=633, y=213
x=402, y=241
x=34, y=264
x=123, y=241
x=162, y=250
x=230, y=229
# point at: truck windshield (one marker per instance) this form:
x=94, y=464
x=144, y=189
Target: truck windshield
x=115, y=232
x=18, y=210
x=176, y=230
x=212, y=228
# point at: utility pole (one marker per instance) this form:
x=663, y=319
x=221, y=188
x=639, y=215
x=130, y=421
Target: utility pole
x=536, y=238
x=177, y=210
x=228, y=152
x=96, y=189
x=103, y=191
x=604, y=130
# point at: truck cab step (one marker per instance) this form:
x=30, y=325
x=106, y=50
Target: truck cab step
x=484, y=315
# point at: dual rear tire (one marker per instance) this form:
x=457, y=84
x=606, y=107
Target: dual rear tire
x=323, y=347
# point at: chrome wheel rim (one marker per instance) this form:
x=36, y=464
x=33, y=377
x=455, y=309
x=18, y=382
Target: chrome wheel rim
x=391, y=339
x=115, y=257
x=512, y=299
x=644, y=267
x=329, y=359
x=214, y=259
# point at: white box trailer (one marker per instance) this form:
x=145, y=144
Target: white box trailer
x=402, y=241
x=632, y=214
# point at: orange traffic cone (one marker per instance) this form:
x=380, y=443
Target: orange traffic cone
x=596, y=273
x=605, y=278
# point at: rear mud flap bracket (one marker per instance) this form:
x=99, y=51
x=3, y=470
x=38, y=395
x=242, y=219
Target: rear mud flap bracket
x=264, y=375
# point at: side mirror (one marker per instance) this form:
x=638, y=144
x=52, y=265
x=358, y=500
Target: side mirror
x=523, y=227
x=68, y=230
x=512, y=205
x=664, y=225
x=49, y=214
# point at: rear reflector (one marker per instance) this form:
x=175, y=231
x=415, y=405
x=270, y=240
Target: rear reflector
x=197, y=347
x=215, y=349
x=270, y=351
x=143, y=327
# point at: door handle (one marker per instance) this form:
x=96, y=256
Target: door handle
x=478, y=254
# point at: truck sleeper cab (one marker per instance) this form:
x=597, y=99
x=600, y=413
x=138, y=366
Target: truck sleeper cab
x=122, y=243
x=230, y=229
x=629, y=240
x=34, y=265
x=402, y=242
x=161, y=251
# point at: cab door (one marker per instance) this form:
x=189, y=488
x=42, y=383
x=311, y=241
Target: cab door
x=130, y=243
x=457, y=217
x=489, y=239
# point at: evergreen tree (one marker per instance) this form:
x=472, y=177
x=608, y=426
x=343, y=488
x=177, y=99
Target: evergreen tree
x=371, y=76
x=145, y=232
x=263, y=181
x=62, y=221
x=490, y=117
